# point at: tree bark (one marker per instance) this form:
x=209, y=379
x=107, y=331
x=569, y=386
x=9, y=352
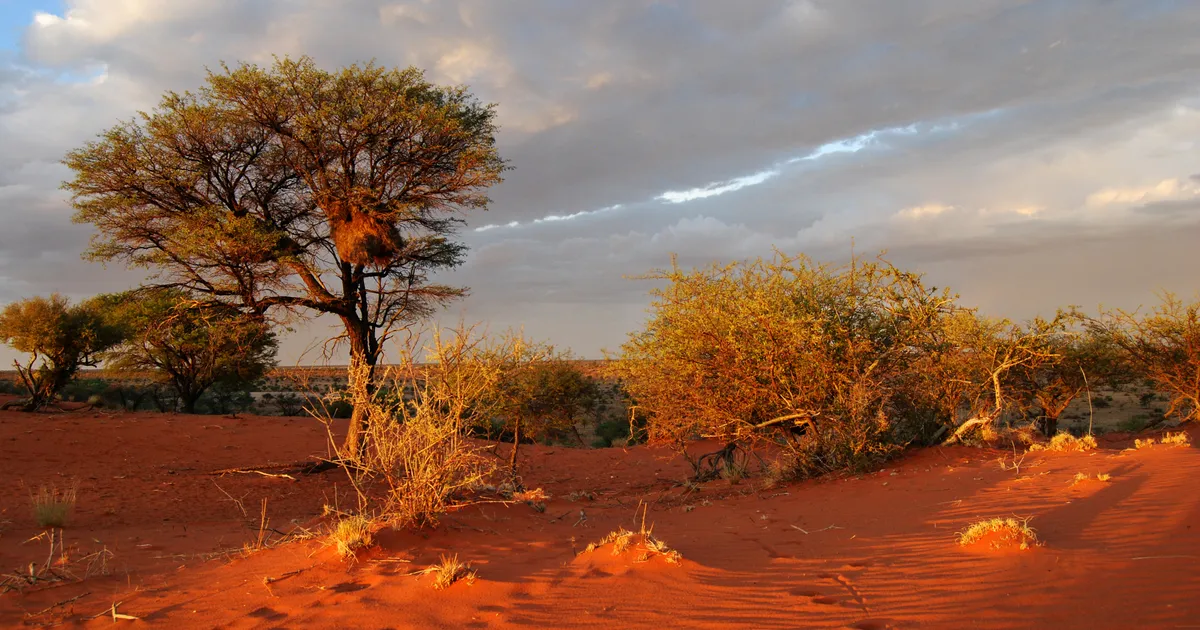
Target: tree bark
x=364, y=354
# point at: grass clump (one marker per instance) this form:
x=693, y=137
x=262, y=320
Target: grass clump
x=1082, y=477
x=1066, y=443
x=1003, y=531
x=1140, y=443
x=623, y=540
x=352, y=533
x=450, y=570
x=52, y=506
x=1177, y=439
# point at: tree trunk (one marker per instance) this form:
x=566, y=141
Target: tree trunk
x=512, y=462
x=364, y=354
x=1050, y=426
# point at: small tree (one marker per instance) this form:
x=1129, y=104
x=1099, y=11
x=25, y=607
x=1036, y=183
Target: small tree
x=986, y=361
x=538, y=392
x=59, y=339
x=1162, y=346
x=192, y=345
x=1076, y=361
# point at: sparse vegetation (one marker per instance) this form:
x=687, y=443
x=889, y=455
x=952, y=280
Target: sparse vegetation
x=1067, y=443
x=52, y=506
x=1002, y=532
x=418, y=448
x=352, y=533
x=1082, y=477
x=1177, y=439
x=450, y=570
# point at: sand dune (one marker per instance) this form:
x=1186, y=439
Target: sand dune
x=872, y=551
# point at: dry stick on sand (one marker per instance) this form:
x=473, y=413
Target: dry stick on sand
x=818, y=530
x=115, y=615
x=58, y=605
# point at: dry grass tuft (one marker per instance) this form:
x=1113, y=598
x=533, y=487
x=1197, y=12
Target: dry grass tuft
x=1005, y=531
x=351, y=534
x=1177, y=439
x=450, y=570
x=51, y=506
x=1146, y=443
x=623, y=540
x=1066, y=443
x=1082, y=477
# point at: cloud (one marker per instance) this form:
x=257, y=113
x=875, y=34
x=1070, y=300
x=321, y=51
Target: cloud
x=947, y=133
x=920, y=212
x=1165, y=190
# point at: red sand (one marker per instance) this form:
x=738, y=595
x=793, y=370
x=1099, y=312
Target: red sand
x=880, y=550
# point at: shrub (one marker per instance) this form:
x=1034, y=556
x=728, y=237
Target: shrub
x=610, y=431
x=418, y=449
x=821, y=359
x=538, y=393
x=1163, y=347
x=51, y=506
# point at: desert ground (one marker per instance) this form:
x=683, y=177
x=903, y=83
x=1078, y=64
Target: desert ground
x=160, y=538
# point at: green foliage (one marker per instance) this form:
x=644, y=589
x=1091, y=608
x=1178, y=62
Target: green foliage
x=611, y=431
x=58, y=338
x=202, y=351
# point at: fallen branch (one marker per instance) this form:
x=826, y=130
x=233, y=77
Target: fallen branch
x=115, y=615
x=59, y=605
x=259, y=472
x=801, y=529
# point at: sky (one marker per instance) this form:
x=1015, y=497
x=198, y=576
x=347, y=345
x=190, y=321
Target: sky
x=1027, y=153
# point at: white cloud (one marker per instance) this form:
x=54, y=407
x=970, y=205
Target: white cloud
x=925, y=211
x=1165, y=190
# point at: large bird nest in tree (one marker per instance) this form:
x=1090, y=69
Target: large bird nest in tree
x=362, y=237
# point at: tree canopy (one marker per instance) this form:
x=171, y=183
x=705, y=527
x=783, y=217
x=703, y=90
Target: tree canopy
x=293, y=189
x=190, y=344
x=58, y=338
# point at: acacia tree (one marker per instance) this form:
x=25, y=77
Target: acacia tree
x=538, y=391
x=193, y=345
x=297, y=190
x=1162, y=346
x=1080, y=359
x=59, y=338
